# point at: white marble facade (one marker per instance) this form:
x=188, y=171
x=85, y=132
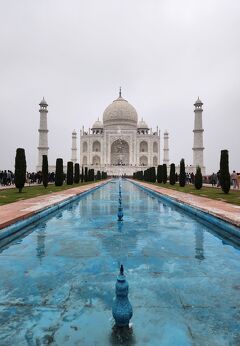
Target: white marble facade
x=119, y=144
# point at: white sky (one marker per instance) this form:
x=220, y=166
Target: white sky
x=76, y=53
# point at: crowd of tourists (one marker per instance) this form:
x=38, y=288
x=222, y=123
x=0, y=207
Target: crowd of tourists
x=214, y=179
x=36, y=178
x=7, y=178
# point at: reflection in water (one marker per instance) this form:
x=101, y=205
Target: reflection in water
x=120, y=226
x=59, y=215
x=199, y=244
x=120, y=236
x=41, y=235
x=122, y=336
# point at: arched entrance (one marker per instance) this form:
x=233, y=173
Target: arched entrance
x=120, y=153
x=96, y=160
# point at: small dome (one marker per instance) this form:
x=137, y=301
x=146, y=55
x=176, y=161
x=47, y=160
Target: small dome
x=74, y=132
x=142, y=124
x=43, y=102
x=198, y=102
x=120, y=113
x=97, y=125
x=166, y=133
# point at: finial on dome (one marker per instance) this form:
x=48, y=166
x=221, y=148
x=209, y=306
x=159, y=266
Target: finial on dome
x=120, y=92
x=43, y=102
x=198, y=103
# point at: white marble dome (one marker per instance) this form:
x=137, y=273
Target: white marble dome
x=97, y=125
x=120, y=113
x=142, y=125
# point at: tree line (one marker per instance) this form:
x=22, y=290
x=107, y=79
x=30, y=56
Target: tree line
x=161, y=176
x=73, y=176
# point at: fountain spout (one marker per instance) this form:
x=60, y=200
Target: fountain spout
x=122, y=309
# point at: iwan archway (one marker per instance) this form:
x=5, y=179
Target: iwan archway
x=120, y=153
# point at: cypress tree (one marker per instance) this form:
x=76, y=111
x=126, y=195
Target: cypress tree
x=76, y=173
x=144, y=175
x=164, y=173
x=98, y=177
x=172, y=174
x=69, y=173
x=198, y=179
x=182, y=175
x=160, y=174
x=59, y=172
x=91, y=175
x=153, y=175
x=20, y=169
x=82, y=175
x=147, y=174
x=224, y=172
x=45, y=170
x=86, y=174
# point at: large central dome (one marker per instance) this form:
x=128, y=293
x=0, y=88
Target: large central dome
x=121, y=114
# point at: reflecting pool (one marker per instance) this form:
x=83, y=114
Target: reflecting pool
x=57, y=281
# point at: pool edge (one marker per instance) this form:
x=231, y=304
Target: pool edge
x=17, y=226
x=213, y=219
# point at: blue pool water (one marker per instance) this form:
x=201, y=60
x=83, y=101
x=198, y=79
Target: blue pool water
x=57, y=281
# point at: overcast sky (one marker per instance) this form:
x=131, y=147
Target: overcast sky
x=76, y=53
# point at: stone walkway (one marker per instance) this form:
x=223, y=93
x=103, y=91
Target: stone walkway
x=225, y=211
x=13, y=212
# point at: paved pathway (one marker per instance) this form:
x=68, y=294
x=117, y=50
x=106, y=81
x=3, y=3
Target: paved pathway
x=12, y=212
x=225, y=211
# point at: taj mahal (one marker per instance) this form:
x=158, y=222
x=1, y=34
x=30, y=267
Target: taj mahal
x=121, y=143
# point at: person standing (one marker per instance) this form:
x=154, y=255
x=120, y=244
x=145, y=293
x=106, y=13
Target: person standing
x=214, y=179
x=218, y=179
x=234, y=179
x=238, y=180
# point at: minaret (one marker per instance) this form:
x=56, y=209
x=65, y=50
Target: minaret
x=166, y=148
x=74, y=147
x=43, y=133
x=198, y=137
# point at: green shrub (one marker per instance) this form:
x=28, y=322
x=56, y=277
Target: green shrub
x=98, y=176
x=160, y=174
x=164, y=173
x=224, y=172
x=76, y=173
x=82, y=175
x=182, y=175
x=198, y=179
x=86, y=174
x=172, y=178
x=69, y=173
x=59, y=176
x=91, y=175
x=20, y=169
x=45, y=170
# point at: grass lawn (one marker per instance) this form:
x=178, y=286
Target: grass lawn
x=12, y=195
x=232, y=197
